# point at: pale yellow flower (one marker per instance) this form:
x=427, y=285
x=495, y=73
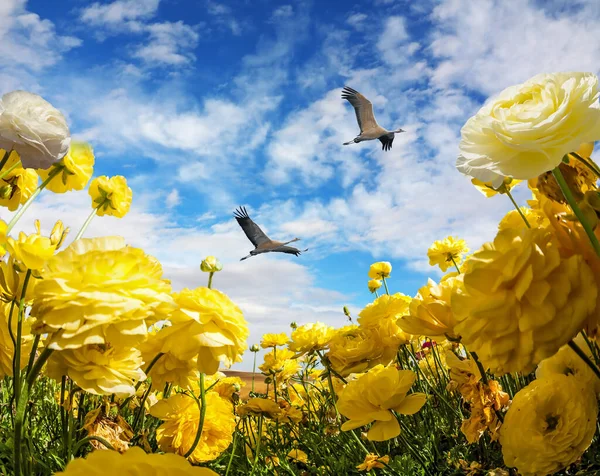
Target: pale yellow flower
x=32, y=250
x=17, y=185
x=221, y=384
x=210, y=264
x=110, y=196
x=274, y=340
x=258, y=406
x=12, y=278
x=99, y=290
x=519, y=302
x=384, y=307
x=527, y=129
x=489, y=190
x=354, y=349
x=76, y=169
x=373, y=461
x=298, y=455
x=549, y=425
x=134, y=462
x=181, y=417
x=99, y=369
x=280, y=363
x=514, y=220
x=374, y=285
x=371, y=396
x=380, y=270
x=444, y=253
x=311, y=337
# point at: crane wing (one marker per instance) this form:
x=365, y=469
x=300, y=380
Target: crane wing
x=362, y=107
x=387, y=142
x=252, y=230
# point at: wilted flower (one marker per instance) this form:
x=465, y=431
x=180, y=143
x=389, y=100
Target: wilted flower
x=181, y=417
x=549, y=425
x=110, y=196
x=373, y=461
x=34, y=128
x=210, y=264
x=519, y=302
x=311, y=337
x=374, y=285
x=74, y=170
x=99, y=290
x=134, y=462
x=274, y=340
x=99, y=369
x=380, y=270
x=371, y=396
x=115, y=430
x=207, y=324
x=527, y=129
x=444, y=253
x=17, y=185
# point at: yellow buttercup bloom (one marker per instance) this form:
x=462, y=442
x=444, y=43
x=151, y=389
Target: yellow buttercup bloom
x=7, y=348
x=527, y=129
x=514, y=220
x=99, y=290
x=12, y=278
x=430, y=313
x=488, y=189
x=258, y=406
x=181, y=417
x=274, y=340
x=371, y=396
x=221, y=384
x=373, y=461
x=354, y=349
x=298, y=455
x=384, y=307
x=31, y=250
x=549, y=425
x=567, y=362
x=76, y=169
x=207, y=324
x=210, y=264
x=280, y=363
x=443, y=252
x=99, y=369
x=17, y=185
x=374, y=285
x=110, y=196
x=380, y=270
x=519, y=302
x=311, y=337
x=134, y=462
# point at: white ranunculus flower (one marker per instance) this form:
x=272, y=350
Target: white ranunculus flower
x=527, y=129
x=34, y=128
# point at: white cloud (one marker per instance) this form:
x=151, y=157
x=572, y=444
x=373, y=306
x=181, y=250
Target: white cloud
x=169, y=43
x=357, y=20
x=224, y=16
x=118, y=13
x=173, y=199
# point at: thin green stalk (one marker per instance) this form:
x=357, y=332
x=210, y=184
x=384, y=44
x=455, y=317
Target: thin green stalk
x=86, y=224
x=30, y=200
x=232, y=453
x=253, y=371
x=584, y=357
x=63, y=416
x=202, y=405
x=36, y=342
x=484, y=378
x=589, y=164
x=17, y=356
x=387, y=291
x=517, y=207
x=141, y=411
x=576, y=210
x=87, y=439
x=4, y=173
x=210, y=278
x=454, y=263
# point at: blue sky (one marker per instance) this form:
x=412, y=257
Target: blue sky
x=207, y=105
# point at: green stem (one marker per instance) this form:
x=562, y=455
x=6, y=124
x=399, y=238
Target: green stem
x=517, y=207
x=584, y=357
x=385, y=285
x=202, y=405
x=34, y=347
x=86, y=224
x=480, y=367
x=454, y=263
x=17, y=355
x=142, y=410
x=232, y=453
x=137, y=385
x=4, y=173
x=210, y=278
x=87, y=439
x=30, y=200
x=253, y=371
x=576, y=210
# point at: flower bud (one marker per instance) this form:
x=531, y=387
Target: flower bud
x=374, y=285
x=6, y=191
x=293, y=325
x=210, y=264
x=268, y=380
x=254, y=348
x=58, y=234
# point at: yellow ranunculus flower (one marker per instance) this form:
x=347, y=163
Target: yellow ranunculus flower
x=7, y=348
x=443, y=252
x=18, y=185
x=99, y=290
x=210, y=264
x=207, y=324
x=99, y=369
x=567, y=362
x=514, y=220
x=488, y=189
x=374, y=285
x=371, y=396
x=258, y=406
x=31, y=250
x=520, y=301
x=134, y=462
x=12, y=278
x=110, y=196
x=181, y=417
x=379, y=270
x=373, y=461
x=311, y=337
x=274, y=340
x=527, y=129
x=58, y=234
x=282, y=364
x=168, y=368
x=221, y=384
x=430, y=312
x=76, y=169
x=298, y=455
x=353, y=349
x=549, y=425
x=391, y=306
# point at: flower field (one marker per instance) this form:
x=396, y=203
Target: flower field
x=493, y=369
